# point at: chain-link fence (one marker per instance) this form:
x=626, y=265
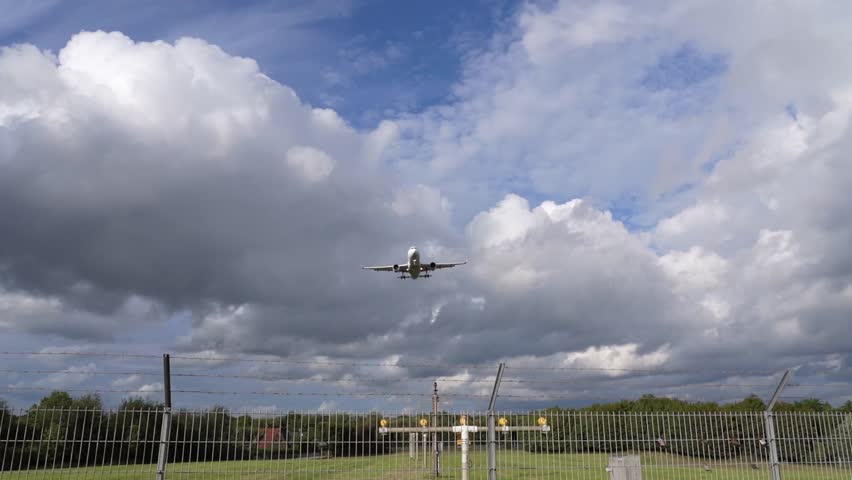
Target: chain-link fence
x=126, y=444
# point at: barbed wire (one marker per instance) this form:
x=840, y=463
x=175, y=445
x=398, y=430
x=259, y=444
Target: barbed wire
x=251, y=377
x=77, y=390
x=385, y=380
x=353, y=379
x=819, y=385
x=806, y=397
x=661, y=371
x=374, y=379
x=512, y=397
x=333, y=394
x=88, y=354
x=335, y=363
x=230, y=392
x=405, y=380
x=656, y=371
x=616, y=399
x=574, y=381
x=260, y=360
x=330, y=380
x=72, y=372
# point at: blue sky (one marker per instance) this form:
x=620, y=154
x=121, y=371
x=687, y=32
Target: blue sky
x=367, y=59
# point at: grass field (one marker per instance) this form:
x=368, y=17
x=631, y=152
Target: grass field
x=511, y=465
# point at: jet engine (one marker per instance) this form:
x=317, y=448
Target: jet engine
x=395, y=267
x=432, y=265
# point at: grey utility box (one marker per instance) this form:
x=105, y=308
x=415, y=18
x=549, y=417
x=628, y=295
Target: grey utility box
x=627, y=467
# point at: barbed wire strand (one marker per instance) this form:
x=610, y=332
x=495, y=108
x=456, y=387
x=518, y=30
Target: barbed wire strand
x=220, y=392
x=818, y=385
x=334, y=363
x=72, y=372
x=333, y=394
x=805, y=397
x=259, y=360
x=661, y=371
x=252, y=377
x=76, y=390
x=395, y=365
x=390, y=380
x=88, y=354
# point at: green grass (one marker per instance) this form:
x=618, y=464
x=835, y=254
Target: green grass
x=511, y=465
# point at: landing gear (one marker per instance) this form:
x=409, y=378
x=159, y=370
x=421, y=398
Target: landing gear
x=401, y=277
x=426, y=275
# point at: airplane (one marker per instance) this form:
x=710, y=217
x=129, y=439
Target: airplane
x=413, y=267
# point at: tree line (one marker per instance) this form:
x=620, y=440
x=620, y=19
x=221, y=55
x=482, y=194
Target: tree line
x=63, y=431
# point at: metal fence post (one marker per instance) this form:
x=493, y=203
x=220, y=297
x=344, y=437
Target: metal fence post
x=167, y=423
x=769, y=419
x=436, y=459
x=492, y=427
x=492, y=446
x=774, y=466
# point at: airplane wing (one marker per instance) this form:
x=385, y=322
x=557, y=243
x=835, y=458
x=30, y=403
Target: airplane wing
x=438, y=266
x=387, y=268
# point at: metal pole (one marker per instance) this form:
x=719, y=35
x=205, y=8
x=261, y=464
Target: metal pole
x=492, y=447
x=774, y=466
x=436, y=461
x=464, y=453
x=769, y=418
x=492, y=426
x=167, y=412
x=494, y=390
x=425, y=451
x=779, y=389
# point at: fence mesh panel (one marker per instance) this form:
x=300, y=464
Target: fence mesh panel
x=219, y=444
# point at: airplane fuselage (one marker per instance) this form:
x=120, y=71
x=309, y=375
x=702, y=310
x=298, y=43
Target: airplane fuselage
x=413, y=262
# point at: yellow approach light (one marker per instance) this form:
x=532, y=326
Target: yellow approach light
x=503, y=422
x=383, y=423
x=542, y=421
x=424, y=422
x=463, y=420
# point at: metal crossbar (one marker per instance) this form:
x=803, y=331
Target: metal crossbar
x=203, y=444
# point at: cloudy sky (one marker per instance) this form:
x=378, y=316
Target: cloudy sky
x=650, y=186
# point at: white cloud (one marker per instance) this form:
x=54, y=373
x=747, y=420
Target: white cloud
x=69, y=377
x=510, y=220
x=45, y=314
x=606, y=360
x=436, y=311
x=569, y=26
x=695, y=268
x=314, y=165
x=421, y=203
x=16, y=305
x=692, y=225
x=521, y=248
x=128, y=381
x=149, y=390
x=327, y=406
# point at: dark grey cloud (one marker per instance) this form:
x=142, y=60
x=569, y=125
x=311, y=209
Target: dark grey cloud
x=106, y=195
